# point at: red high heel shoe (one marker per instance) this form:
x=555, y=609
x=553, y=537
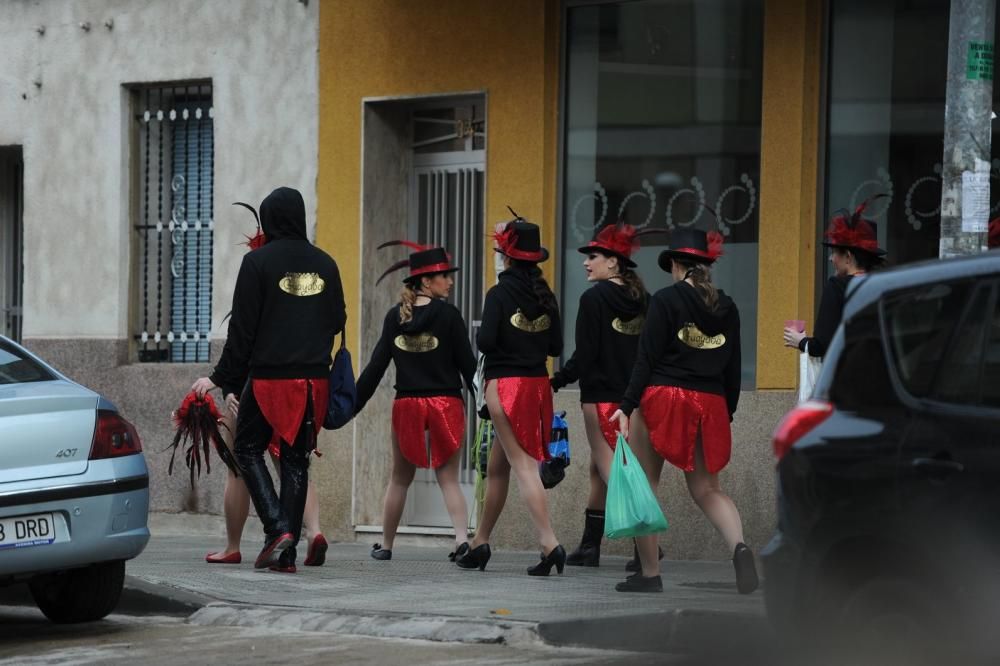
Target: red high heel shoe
x=316, y=555
x=231, y=558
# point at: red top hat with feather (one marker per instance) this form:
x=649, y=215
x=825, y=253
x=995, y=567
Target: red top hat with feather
x=424, y=260
x=854, y=232
x=620, y=240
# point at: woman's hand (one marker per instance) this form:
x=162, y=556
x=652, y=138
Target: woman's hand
x=621, y=421
x=202, y=385
x=233, y=404
x=793, y=337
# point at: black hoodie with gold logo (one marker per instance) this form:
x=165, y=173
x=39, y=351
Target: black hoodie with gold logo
x=431, y=352
x=685, y=344
x=607, y=339
x=288, y=304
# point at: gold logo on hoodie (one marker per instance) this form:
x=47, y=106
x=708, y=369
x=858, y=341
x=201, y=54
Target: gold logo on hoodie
x=630, y=327
x=538, y=325
x=302, y=284
x=424, y=342
x=692, y=336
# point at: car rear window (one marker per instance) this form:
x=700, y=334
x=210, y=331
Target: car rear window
x=17, y=368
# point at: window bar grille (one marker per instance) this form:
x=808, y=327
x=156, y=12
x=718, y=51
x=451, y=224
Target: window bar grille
x=159, y=220
x=183, y=241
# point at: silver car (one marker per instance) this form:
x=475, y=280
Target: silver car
x=74, y=490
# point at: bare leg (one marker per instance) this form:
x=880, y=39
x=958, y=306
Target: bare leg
x=652, y=465
x=395, y=494
x=600, y=458
x=235, y=498
x=525, y=470
x=454, y=500
x=310, y=518
x=497, y=487
x=715, y=504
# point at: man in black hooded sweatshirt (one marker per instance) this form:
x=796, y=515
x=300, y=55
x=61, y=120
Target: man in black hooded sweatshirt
x=288, y=306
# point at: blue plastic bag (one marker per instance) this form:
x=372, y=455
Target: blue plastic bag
x=631, y=509
x=554, y=470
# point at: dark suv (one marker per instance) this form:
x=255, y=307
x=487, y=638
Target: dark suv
x=889, y=477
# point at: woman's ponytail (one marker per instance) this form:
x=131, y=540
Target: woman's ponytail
x=635, y=286
x=701, y=276
x=407, y=297
x=543, y=293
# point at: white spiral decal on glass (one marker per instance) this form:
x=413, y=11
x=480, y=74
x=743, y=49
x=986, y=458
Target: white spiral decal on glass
x=882, y=184
x=698, y=192
x=916, y=217
x=725, y=223
x=650, y=194
x=600, y=194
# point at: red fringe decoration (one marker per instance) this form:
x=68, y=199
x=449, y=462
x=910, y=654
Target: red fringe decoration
x=197, y=422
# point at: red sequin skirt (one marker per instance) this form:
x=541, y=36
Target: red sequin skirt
x=442, y=415
x=608, y=429
x=282, y=402
x=527, y=403
x=675, y=418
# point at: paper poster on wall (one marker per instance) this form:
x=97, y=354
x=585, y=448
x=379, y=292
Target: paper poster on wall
x=976, y=198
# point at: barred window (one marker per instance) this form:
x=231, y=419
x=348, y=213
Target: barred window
x=174, y=222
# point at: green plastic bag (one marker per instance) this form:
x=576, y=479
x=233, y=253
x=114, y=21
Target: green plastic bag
x=631, y=509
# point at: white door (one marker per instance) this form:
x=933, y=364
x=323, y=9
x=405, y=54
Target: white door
x=447, y=209
x=11, y=244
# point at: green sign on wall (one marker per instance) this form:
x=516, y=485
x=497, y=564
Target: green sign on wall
x=979, y=64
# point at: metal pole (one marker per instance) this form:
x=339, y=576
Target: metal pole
x=965, y=175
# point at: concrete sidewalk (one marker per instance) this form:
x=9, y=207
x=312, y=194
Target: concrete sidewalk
x=420, y=594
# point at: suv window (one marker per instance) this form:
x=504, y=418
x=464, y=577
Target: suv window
x=936, y=335
x=16, y=368
x=862, y=378
x=991, y=362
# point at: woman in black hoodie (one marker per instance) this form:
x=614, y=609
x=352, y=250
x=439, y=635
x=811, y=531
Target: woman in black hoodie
x=520, y=330
x=426, y=338
x=686, y=383
x=608, y=324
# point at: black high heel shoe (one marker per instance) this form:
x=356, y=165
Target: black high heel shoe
x=380, y=553
x=556, y=556
x=475, y=558
x=461, y=550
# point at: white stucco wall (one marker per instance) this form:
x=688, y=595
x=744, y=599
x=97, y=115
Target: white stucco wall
x=261, y=56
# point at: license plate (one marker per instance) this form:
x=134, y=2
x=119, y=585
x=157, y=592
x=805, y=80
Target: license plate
x=24, y=531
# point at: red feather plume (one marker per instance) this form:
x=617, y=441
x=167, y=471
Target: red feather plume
x=715, y=241
x=505, y=239
x=258, y=239
x=416, y=247
x=197, y=422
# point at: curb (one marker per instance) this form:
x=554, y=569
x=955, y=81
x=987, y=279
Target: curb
x=428, y=628
x=674, y=631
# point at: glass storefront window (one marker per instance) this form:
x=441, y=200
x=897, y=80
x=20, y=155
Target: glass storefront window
x=888, y=68
x=662, y=127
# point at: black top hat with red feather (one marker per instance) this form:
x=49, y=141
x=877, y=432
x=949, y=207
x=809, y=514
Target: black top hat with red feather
x=854, y=232
x=520, y=240
x=424, y=260
x=691, y=245
x=620, y=240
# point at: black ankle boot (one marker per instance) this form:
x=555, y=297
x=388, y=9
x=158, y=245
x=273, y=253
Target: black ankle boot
x=475, y=558
x=746, y=570
x=588, y=553
x=556, y=557
x=640, y=583
x=633, y=564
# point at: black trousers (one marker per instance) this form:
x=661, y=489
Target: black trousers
x=253, y=433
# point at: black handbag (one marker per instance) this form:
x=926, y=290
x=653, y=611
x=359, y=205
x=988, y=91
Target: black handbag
x=343, y=392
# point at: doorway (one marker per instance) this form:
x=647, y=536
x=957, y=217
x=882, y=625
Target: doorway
x=423, y=179
x=11, y=241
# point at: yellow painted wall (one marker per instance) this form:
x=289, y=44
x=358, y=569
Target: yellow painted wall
x=789, y=174
x=386, y=48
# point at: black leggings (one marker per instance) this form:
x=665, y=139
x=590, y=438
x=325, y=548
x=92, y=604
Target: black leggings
x=253, y=433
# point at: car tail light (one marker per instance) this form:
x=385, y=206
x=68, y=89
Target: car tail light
x=113, y=437
x=797, y=423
